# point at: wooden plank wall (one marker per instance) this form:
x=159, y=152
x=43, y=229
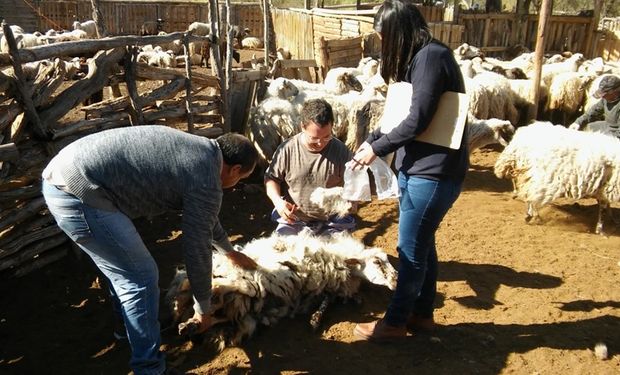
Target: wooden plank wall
x=124, y=17
x=293, y=30
x=293, y=26
x=496, y=32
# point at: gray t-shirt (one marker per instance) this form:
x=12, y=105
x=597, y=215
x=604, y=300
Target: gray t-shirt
x=301, y=171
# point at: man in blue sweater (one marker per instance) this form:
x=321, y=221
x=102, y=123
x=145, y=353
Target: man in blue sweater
x=97, y=184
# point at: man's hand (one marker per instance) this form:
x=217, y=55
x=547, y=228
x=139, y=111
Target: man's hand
x=574, y=126
x=195, y=325
x=241, y=260
x=286, y=210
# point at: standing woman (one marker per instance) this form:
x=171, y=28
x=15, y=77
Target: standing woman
x=429, y=176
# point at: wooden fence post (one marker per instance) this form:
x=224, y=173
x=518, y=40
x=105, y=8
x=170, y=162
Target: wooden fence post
x=543, y=18
x=38, y=127
x=98, y=18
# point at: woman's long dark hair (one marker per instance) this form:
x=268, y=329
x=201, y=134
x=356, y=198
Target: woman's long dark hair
x=404, y=32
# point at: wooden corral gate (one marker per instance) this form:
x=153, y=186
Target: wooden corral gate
x=497, y=33
x=301, y=30
x=608, y=43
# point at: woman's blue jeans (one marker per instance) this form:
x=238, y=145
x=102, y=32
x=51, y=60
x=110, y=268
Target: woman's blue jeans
x=423, y=205
x=111, y=240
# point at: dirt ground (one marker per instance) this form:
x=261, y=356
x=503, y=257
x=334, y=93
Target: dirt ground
x=513, y=298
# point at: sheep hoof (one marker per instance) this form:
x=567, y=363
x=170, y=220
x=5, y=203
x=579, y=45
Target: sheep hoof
x=533, y=219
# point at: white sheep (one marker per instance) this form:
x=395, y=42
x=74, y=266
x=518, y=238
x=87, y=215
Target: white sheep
x=569, y=65
x=547, y=162
x=69, y=36
x=567, y=92
x=499, y=96
x=157, y=57
x=467, y=52
x=487, y=132
x=90, y=27
x=199, y=28
x=252, y=42
x=281, y=88
x=293, y=274
x=270, y=122
x=23, y=40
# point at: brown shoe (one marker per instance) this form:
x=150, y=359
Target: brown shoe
x=416, y=323
x=379, y=331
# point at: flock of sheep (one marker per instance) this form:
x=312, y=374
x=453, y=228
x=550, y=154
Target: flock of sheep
x=166, y=56
x=499, y=100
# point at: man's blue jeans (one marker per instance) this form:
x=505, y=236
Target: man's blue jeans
x=329, y=227
x=423, y=205
x=111, y=240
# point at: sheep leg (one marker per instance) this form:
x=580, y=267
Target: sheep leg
x=317, y=316
x=602, y=208
x=190, y=327
x=531, y=213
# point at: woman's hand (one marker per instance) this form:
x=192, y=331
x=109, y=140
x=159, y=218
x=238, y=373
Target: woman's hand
x=241, y=260
x=286, y=210
x=363, y=156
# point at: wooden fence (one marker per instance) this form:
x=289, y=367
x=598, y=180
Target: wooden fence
x=301, y=30
x=496, y=33
x=125, y=18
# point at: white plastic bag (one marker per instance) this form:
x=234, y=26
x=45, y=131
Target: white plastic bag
x=386, y=182
x=356, y=183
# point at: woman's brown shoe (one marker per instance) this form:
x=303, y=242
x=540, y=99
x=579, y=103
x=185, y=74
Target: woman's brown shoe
x=379, y=331
x=416, y=323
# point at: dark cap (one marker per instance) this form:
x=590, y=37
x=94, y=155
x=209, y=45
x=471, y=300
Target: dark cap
x=608, y=84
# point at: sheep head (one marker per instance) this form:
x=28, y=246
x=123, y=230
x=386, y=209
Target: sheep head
x=373, y=265
x=348, y=82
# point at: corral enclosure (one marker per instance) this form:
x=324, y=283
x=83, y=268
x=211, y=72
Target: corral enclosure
x=513, y=298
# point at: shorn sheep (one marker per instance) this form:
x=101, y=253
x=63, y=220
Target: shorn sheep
x=547, y=162
x=294, y=275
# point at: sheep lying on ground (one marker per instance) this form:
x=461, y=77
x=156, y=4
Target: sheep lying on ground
x=294, y=274
x=547, y=162
x=252, y=42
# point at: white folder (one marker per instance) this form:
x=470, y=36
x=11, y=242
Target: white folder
x=447, y=126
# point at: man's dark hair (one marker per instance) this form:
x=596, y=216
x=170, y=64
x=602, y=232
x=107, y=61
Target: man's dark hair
x=318, y=111
x=237, y=149
x=404, y=32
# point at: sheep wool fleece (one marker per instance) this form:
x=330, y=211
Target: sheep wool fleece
x=144, y=171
